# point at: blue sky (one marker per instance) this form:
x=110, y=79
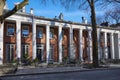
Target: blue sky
x=50, y=11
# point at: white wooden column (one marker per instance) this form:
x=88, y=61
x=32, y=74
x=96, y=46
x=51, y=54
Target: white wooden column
x=99, y=49
x=105, y=46
x=18, y=41
x=119, y=45
x=34, y=40
x=112, y=46
x=1, y=42
x=47, y=43
x=81, y=45
x=116, y=48
x=60, y=43
x=90, y=45
x=71, y=43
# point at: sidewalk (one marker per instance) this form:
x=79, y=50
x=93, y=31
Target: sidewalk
x=31, y=70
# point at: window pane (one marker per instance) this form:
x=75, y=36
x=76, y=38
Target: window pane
x=10, y=30
x=39, y=32
x=51, y=33
x=9, y=52
x=25, y=52
x=51, y=52
x=25, y=31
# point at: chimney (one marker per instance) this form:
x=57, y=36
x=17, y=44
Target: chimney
x=55, y=17
x=23, y=9
x=31, y=11
x=61, y=16
x=84, y=21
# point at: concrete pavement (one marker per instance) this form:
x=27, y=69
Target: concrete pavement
x=32, y=70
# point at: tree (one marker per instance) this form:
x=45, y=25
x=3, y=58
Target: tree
x=113, y=15
x=11, y=12
x=112, y=1
x=89, y=3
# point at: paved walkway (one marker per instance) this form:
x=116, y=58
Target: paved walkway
x=30, y=70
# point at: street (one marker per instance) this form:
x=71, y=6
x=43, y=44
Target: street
x=112, y=74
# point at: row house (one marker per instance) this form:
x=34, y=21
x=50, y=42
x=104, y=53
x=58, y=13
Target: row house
x=52, y=40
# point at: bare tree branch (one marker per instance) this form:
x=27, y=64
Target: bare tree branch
x=14, y=10
x=113, y=15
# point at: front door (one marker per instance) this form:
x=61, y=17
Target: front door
x=9, y=53
x=40, y=52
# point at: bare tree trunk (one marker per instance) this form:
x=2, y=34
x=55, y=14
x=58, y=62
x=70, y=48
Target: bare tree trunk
x=2, y=4
x=94, y=35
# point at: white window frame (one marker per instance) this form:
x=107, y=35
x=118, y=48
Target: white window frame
x=10, y=26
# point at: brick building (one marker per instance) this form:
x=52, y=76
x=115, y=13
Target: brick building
x=52, y=40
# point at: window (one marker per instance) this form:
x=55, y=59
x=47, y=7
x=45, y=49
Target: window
x=25, y=31
x=51, y=33
x=39, y=32
x=25, y=51
x=9, y=52
x=51, y=56
x=10, y=30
